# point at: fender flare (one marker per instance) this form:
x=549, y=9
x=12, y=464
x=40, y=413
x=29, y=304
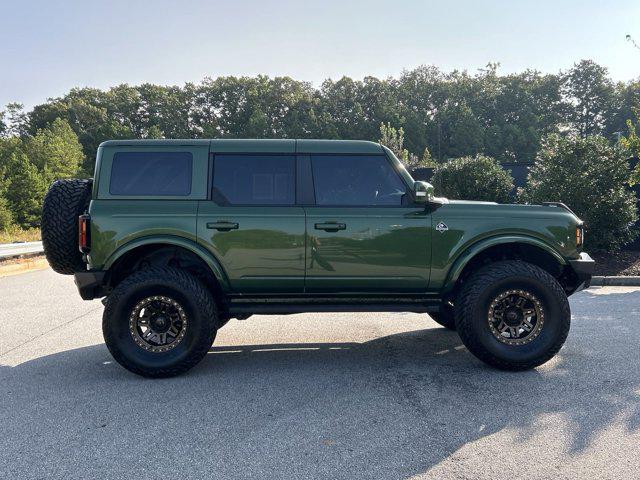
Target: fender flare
x=476, y=248
x=211, y=261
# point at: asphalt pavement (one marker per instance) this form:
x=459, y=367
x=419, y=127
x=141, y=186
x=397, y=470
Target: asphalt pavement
x=389, y=396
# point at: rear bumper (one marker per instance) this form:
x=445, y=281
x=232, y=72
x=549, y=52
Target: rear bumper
x=91, y=284
x=583, y=269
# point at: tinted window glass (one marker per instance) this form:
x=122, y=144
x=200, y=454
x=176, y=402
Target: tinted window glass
x=356, y=180
x=254, y=179
x=151, y=173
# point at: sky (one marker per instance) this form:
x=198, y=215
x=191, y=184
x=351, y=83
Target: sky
x=49, y=47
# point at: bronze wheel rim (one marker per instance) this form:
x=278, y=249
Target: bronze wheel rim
x=157, y=324
x=516, y=317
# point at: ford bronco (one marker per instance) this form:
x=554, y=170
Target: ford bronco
x=179, y=236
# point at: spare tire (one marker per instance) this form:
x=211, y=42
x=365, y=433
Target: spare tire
x=65, y=201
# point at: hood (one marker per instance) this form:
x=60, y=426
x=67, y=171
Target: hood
x=547, y=209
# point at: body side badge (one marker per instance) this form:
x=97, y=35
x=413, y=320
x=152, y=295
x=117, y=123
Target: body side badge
x=442, y=227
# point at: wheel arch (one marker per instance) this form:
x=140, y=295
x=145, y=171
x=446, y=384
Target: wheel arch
x=529, y=249
x=143, y=246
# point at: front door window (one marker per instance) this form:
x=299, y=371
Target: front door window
x=356, y=180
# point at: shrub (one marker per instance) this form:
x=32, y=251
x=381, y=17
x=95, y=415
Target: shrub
x=473, y=178
x=589, y=175
x=16, y=234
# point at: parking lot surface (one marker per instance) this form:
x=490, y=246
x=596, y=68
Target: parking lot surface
x=315, y=396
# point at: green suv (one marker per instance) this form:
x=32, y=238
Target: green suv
x=179, y=236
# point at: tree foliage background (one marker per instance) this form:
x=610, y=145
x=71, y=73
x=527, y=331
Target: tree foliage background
x=597, y=194
x=432, y=115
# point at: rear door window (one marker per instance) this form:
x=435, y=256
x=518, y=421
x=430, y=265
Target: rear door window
x=356, y=180
x=254, y=179
x=151, y=174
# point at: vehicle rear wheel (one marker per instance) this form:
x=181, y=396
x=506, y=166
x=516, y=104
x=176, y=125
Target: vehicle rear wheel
x=512, y=315
x=445, y=317
x=159, y=322
x=64, y=202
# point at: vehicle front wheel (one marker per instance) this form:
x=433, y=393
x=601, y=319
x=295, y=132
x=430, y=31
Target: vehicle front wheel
x=512, y=315
x=159, y=322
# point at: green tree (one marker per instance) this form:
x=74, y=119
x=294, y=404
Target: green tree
x=154, y=132
x=13, y=121
x=473, y=178
x=8, y=146
x=590, y=176
x=632, y=143
x=90, y=114
x=451, y=114
x=461, y=132
x=626, y=103
x=394, y=140
x=515, y=111
x=341, y=115
x=25, y=191
x=56, y=151
x=590, y=93
x=421, y=93
x=6, y=217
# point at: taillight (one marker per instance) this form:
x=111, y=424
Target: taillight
x=84, y=233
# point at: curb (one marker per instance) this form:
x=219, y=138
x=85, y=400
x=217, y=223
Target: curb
x=20, y=256
x=615, y=281
x=22, y=264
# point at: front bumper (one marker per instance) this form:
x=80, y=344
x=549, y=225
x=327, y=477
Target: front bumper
x=583, y=269
x=91, y=284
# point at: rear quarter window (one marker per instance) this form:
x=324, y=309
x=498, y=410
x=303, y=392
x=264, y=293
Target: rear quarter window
x=151, y=174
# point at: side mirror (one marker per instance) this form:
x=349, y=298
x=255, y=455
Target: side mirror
x=423, y=192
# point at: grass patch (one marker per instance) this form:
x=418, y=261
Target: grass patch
x=17, y=234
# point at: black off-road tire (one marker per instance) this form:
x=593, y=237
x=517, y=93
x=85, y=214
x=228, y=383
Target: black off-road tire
x=199, y=307
x=65, y=201
x=472, y=319
x=445, y=317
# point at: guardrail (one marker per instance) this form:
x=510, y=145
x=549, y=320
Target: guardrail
x=12, y=250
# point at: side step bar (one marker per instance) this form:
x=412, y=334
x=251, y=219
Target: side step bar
x=239, y=308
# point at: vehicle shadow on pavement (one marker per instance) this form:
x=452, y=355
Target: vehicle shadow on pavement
x=393, y=407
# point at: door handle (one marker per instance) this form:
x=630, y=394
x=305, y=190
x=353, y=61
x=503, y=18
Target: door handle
x=222, y=226
x=331, y=226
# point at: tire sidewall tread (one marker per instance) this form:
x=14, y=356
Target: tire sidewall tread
x=445, y=317
x=193, y=296
x=472, y=322
x=64, y=202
